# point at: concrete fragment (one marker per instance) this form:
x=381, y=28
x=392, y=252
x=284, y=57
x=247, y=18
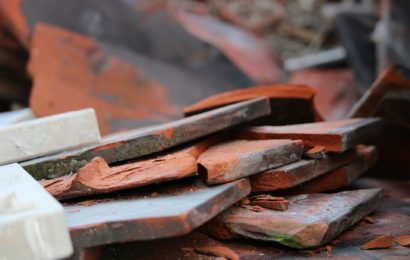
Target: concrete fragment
x=31, y=221
x=233, y=160
x=35, y=138
x=334, y=136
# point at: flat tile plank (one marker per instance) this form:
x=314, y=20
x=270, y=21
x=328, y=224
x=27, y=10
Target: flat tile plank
x=170, y=213
x=290, y=103
x=97, y=177
x=334, y=136
x=306, y=170
x=145, y=141
x=340, y=177
x=311, y=220
x=233, y=160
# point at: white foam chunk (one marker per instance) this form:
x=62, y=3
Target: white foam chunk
x=42, y=136
x=32, y=222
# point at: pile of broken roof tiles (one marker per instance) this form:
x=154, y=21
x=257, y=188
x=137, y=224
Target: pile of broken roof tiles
x=249, y=173
x=225, y=171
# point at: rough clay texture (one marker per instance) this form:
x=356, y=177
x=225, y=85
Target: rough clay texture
x=341, y=177
x=145, y=141
x=334, y=136
x=169, y=214
x=311, y=220
x=82, y=71
x=378, y=243
x=232, y=160
x=303, y=171
x=97, y=177
x=403, y=240
x=270, y=202
x=271, y=91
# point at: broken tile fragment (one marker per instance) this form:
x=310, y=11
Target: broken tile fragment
x=84, y=75
x=290, y=103
x=335, y=136
x=335, y=102
x=311, y=220
x=302, y=171
x=42, y=136
x=391, y=218
x=317, y=152
x=253, y=56
x=233, y=160
x=387, y=98
x=403, y=240
x=97, y=177
x=256, y=208
x=145, y=141
x=11, y=13
x=270, y=202
x=366, y=157
x=135, y=27
x=391, y=79
x=381, y=242
x=172, y=213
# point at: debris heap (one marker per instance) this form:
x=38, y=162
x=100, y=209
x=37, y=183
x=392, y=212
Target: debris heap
x=184, y=168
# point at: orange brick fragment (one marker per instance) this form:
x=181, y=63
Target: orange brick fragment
x=403, y=240
x=381, y=242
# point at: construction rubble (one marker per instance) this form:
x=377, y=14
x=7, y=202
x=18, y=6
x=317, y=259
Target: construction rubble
x=187, y=129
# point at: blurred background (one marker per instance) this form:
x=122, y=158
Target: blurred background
x=140, y=62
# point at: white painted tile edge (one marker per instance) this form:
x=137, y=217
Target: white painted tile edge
x=32, y=224
x=16, y=116
x=47, y=135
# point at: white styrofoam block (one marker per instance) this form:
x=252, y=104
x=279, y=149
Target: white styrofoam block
x=38, y=137
x=32, y=224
